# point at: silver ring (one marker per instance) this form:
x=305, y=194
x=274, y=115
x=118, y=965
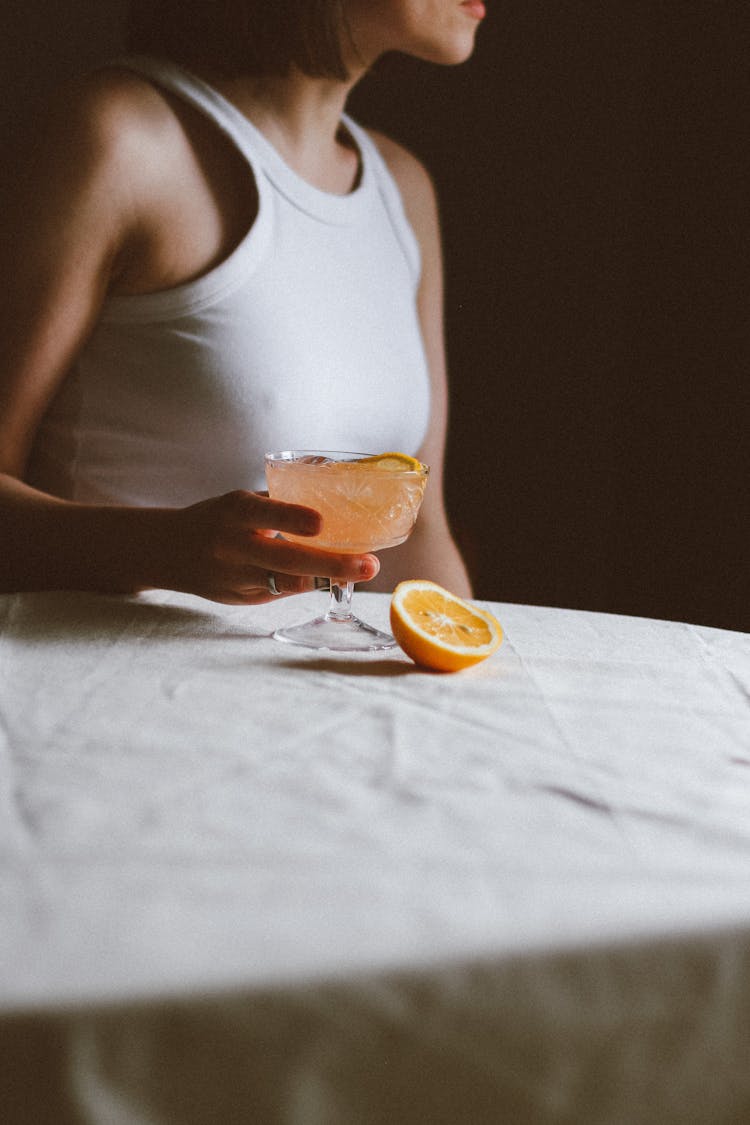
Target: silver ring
x=271, y=585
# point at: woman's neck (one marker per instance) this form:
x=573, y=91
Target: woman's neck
x=301, y=117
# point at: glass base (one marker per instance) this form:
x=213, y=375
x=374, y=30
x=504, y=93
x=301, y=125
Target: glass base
x=340, y=634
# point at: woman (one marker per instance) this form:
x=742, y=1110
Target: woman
x=209, y=259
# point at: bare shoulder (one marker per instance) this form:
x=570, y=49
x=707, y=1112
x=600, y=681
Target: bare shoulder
x=113, y=114
x=67, y=189
x=414, y=183
x=97, y=133
x=109, y=155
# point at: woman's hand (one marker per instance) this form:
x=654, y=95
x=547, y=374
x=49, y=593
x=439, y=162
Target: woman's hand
x=225, y=549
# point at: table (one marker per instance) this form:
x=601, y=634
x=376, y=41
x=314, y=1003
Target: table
x=246, y=882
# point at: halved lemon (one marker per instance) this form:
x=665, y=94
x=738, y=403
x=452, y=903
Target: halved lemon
x=393, y=462
x=439, y=630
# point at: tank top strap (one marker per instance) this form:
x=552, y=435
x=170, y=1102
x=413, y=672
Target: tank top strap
x=275, y=181
x=187, y=86
x=389, y=192
x=189, y=297
x=258, y=150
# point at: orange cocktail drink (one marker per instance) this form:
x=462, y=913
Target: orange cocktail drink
x=366, y=502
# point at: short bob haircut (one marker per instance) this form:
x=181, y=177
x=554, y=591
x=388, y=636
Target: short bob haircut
x=235, y=38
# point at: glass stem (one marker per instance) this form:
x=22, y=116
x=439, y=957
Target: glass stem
x=340, y=608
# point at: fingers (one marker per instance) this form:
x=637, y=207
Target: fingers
x=257, y=511
x=225, y=548
x=282, y=586
x=251, y=586
x=290, y=558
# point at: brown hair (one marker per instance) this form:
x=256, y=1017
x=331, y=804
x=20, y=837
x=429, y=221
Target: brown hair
x=239, y=37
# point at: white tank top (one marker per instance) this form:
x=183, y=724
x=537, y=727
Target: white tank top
x=306, y=336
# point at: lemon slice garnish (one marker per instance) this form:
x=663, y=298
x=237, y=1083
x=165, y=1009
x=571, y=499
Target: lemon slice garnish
x=391, y=462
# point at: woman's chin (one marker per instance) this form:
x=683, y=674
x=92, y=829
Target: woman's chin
x=447, y=55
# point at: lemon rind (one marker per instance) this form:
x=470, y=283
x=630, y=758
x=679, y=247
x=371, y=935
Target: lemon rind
x=479, y=651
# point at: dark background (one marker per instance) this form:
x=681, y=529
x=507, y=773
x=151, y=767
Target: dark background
x=591, y=166
x=591, y=162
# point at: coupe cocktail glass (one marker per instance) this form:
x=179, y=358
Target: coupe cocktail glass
x=365, y=507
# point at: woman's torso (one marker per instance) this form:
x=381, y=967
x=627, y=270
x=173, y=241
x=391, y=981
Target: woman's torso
x=305, y=335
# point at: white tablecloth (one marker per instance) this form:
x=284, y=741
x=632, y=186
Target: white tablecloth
x=244, y=882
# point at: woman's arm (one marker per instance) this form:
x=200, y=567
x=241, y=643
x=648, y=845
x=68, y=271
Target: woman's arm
x=71, y=225
x=63, y=226
x=430, y=552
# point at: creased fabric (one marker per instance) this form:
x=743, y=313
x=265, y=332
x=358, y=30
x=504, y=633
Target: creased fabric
x=244, y=881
